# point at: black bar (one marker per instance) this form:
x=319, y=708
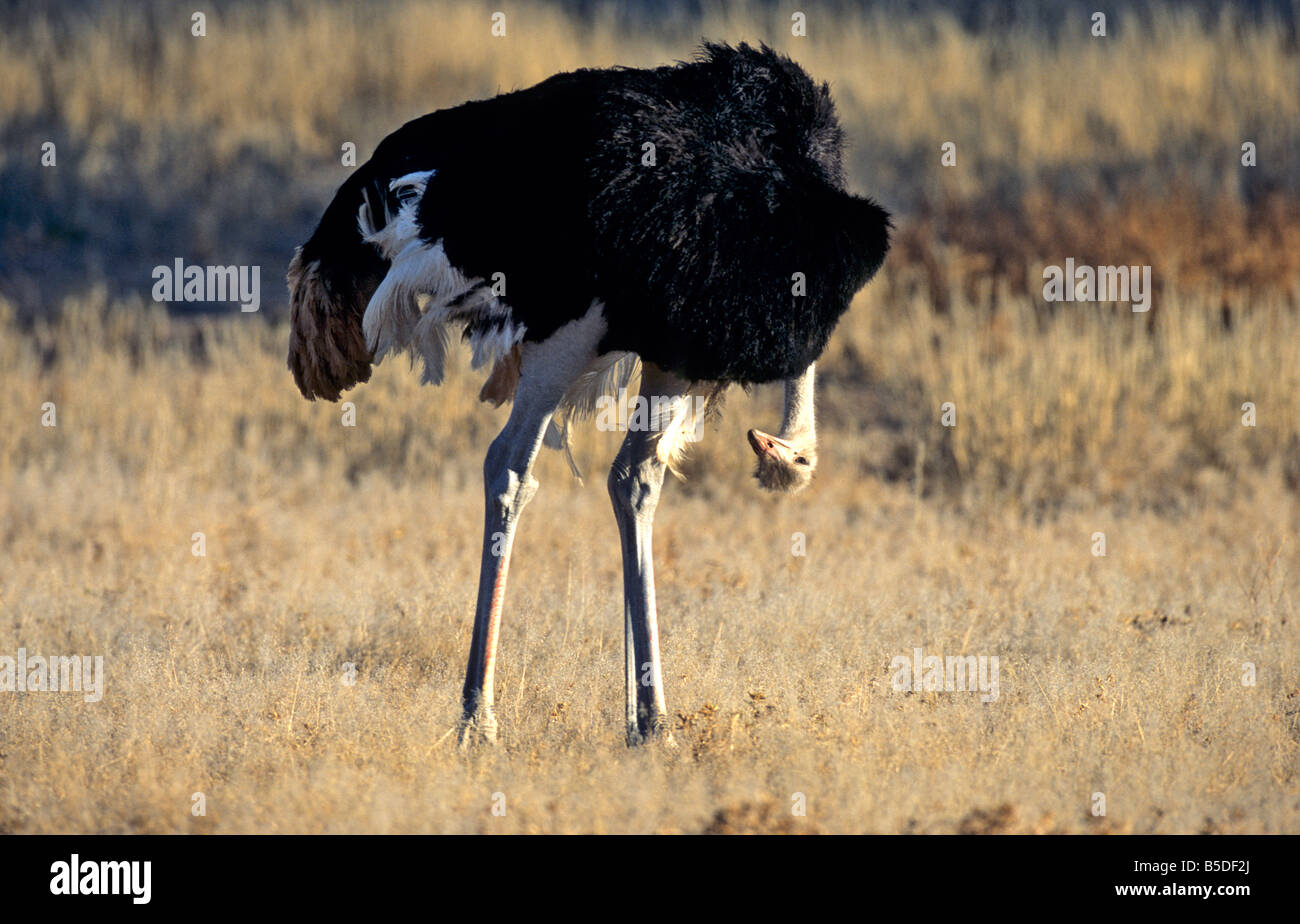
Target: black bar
x=345, y=874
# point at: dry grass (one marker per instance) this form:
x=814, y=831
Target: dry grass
x=328, y=545
x=1071, y=407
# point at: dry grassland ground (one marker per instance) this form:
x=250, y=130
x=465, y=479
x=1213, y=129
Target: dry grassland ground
x=327, y=546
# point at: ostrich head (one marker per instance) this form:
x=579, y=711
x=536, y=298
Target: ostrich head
x=786, y=462
x=784, y=465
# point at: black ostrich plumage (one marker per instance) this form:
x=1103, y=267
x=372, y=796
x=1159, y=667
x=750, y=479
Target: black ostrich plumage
x=694, y=256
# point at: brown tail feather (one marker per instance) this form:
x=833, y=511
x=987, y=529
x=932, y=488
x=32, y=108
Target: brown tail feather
x=327, y=350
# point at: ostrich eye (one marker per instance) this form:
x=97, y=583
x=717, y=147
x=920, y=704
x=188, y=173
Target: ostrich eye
x=800, y=460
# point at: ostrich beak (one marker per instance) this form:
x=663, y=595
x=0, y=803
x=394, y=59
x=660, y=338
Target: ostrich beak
x=767, y=444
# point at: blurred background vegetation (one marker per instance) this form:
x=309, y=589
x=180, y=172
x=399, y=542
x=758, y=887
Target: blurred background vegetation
x=1127, y=148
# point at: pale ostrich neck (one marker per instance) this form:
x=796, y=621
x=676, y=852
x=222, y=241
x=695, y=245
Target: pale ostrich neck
x=799, y=419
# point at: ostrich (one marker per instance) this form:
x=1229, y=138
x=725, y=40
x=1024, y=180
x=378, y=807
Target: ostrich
x=689, y=221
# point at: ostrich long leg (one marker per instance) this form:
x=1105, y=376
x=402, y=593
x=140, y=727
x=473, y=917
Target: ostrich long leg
x=635, y=482
x=548, y=368
x=509, y=486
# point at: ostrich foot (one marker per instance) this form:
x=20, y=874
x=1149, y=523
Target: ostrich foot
x=478, y=728
x=650, y=728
